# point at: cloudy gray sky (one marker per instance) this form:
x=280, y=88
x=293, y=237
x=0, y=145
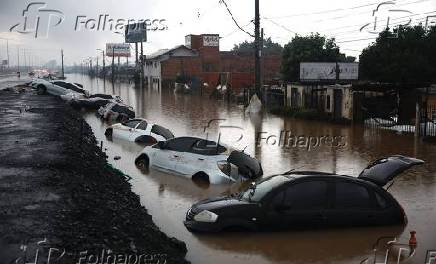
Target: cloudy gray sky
x=281, y=20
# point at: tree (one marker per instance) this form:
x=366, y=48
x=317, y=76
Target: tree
x=269, y=48
x=406, y=57
x=312, y=48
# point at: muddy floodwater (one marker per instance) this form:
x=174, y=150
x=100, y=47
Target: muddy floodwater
x=168, y=197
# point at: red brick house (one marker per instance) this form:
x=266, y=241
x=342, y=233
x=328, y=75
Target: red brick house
x=200, y=61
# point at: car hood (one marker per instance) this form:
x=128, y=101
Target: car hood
x=386, y=169
x=217, y=203
x=249, y=167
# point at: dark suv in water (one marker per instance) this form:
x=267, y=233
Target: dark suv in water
x=307, y=199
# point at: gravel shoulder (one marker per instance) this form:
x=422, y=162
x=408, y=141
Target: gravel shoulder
x=58, y=194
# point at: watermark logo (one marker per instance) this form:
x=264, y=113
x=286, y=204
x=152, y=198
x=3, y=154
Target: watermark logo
x=222, y=128
x=38, y=19
x=382, y=18
x=43, y=253
x=430, y=257
x=286, y=139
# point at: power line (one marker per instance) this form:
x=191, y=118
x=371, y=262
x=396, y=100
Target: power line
x=236, y=30
x=234, y=20
x=349, y=26
x=325, y=11
x=279, y=25
x=361, y=13
x=354, y=40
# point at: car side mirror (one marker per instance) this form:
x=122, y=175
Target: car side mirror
x=162, y=144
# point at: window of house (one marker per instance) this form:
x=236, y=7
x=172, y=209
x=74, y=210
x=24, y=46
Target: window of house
x=328, y=102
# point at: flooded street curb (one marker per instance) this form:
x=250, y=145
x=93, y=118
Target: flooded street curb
x=56, y=187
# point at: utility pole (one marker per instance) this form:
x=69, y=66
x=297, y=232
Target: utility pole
x=7, y=50
x=136, y=54
x=113, y=63
x=142, y=63
x=18, y=58
x=257, y=52
x=62, y=61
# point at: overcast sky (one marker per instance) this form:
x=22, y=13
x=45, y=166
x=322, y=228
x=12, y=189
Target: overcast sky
x=281, y=20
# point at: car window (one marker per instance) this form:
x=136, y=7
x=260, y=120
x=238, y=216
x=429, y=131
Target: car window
x=182, y=144
x=307, y=195
x=61, y=84
x=351, y=195
x=264, y=187
x=207, y=147
x=143, y=125
x=132, y=123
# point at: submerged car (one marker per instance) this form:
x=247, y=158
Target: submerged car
x=116, y=111
x=307, y=199
x=200, y=159
x=139, y=130
x=57, y=87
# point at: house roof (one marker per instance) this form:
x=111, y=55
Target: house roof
x=162, y=52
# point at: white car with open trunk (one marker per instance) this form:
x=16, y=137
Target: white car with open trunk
x=202, y=159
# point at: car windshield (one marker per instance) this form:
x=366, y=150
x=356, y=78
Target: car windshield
x=257, y=192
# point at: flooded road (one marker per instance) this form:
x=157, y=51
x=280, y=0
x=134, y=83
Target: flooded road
x=167, y=197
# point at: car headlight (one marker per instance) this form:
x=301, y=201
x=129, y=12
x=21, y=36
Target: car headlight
x=206, y=216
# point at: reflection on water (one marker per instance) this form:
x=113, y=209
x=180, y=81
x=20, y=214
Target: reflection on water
x=168, y=197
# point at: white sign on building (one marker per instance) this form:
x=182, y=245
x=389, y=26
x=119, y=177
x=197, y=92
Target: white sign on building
x=211, y=40
x=188, y=41
x=319, y=71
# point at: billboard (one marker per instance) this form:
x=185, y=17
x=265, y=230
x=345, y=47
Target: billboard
x=325, y=71
x=118, y=49
x=211, y=40
x=135, y=33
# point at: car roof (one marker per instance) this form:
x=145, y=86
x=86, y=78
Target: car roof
x=319, y=174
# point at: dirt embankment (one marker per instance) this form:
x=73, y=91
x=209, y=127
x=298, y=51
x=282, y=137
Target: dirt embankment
x=57, y=189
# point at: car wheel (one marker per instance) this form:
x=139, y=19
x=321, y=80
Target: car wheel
x=201, y=179
x=142, y=162
x=41, y=89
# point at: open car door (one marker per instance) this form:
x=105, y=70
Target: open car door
x=162, y=131
x=386, y=169
x=247, y=166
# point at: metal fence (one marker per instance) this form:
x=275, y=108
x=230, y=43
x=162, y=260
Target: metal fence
x=428, y=121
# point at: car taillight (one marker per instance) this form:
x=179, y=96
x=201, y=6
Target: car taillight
x=225, y=167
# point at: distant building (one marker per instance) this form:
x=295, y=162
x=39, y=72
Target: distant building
x=200, y=61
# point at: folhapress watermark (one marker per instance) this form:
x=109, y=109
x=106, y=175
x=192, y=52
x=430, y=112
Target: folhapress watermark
x=43, y=253
x=38, y=19
x=387, y=15
x=286, y=139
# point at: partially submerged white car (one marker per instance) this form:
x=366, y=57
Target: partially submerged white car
x=58, y=87
x=116, y=111
x=139, y=130
x=202, y=159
